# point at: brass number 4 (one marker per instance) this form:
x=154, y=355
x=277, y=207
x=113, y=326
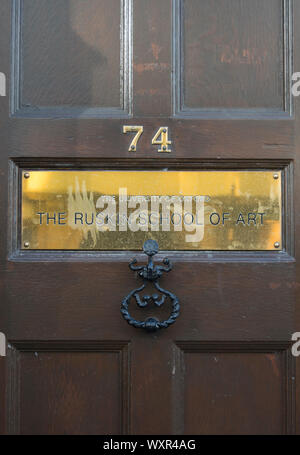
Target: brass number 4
x=130, y=129
x=164, y=142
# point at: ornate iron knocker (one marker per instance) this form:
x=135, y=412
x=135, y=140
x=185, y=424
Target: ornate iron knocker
x=152, y=273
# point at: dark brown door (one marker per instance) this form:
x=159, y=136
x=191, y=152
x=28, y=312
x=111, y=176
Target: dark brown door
x=218, y=75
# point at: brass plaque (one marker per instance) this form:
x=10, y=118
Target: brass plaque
x=182, y=210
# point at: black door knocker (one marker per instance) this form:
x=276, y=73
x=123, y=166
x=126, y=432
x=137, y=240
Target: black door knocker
x=152, y=273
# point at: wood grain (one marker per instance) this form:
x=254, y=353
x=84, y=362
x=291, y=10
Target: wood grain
x=229, y=57
x=67, y=308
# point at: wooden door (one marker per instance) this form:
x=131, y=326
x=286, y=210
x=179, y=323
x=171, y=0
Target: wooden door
x=217, y=74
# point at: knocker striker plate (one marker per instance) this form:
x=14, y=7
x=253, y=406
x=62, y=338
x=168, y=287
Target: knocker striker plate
x=150, y=273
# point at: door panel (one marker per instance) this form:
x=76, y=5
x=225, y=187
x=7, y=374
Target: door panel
x=71, y=59
x=236, y=388
x=230, y=58
x=64, y=387
x=217, y=75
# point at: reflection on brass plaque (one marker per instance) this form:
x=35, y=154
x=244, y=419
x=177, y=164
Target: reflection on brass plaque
x=182, y=210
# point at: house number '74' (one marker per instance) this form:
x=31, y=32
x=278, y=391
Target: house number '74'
x=160, y=138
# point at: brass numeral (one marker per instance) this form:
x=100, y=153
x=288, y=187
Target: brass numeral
x=132, y=129
x=163, y=134
x=160, y=138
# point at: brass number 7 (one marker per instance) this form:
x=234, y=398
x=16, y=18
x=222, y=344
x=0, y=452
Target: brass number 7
x=131, y=129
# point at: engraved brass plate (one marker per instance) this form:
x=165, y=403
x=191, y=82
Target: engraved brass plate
x=182, y=210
